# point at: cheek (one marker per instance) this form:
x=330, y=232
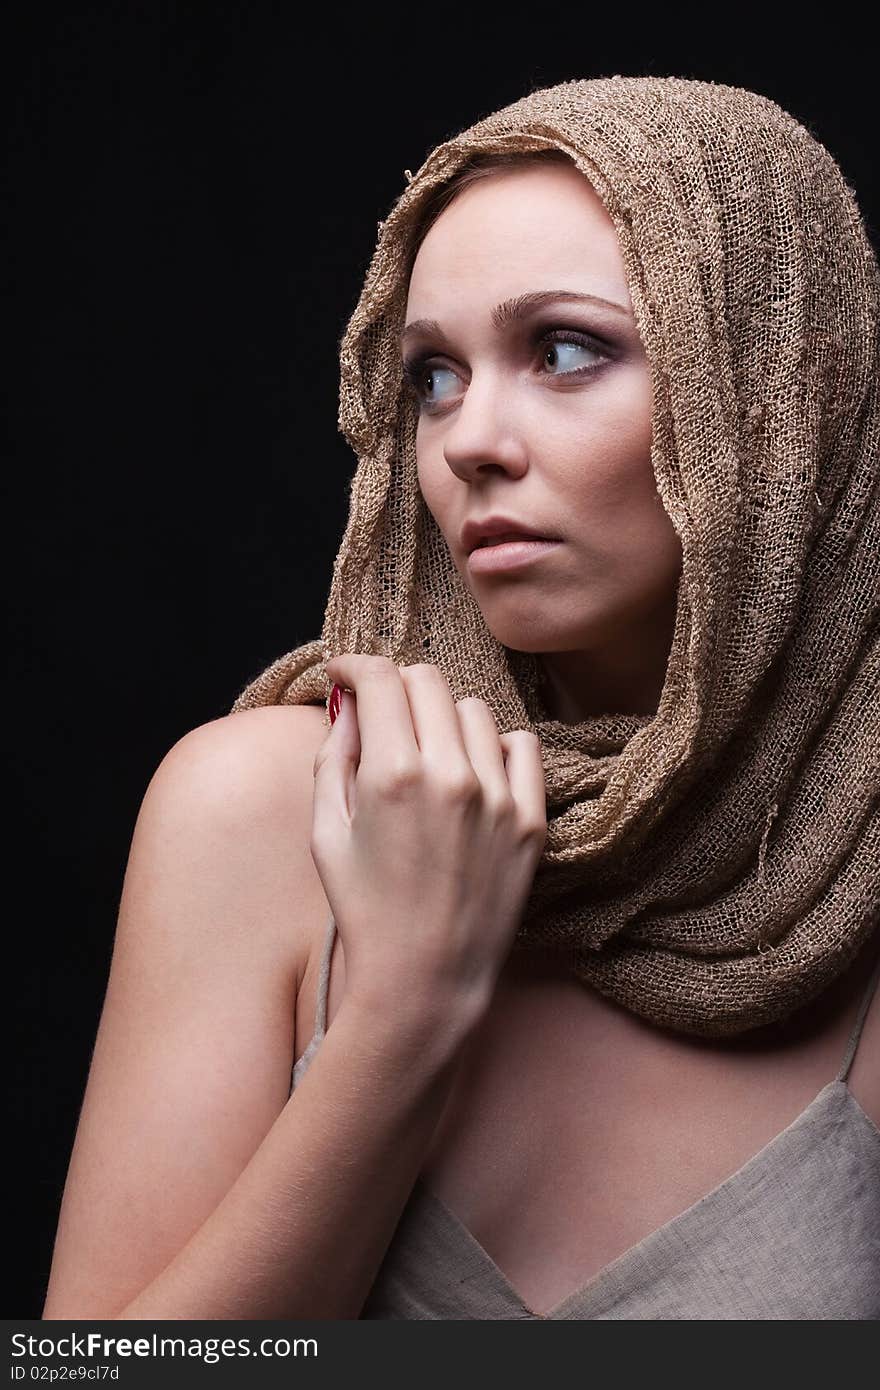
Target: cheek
x=605, y=446
x=436, y=484
x=643, y=541
x=623, y=423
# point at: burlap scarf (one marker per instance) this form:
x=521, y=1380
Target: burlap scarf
x=715, y=865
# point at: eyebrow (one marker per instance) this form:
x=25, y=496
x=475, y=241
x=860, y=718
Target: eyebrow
x=519, y=307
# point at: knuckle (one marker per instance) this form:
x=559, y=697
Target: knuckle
x=525, y=736
x=474, y=702
x=376, y=665
x=500, y=807
x=534, y=831
x=421, y=671
x=322, y=755
x=459, y=784
x=395, y=779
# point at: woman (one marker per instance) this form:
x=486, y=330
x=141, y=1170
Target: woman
x=577, y=900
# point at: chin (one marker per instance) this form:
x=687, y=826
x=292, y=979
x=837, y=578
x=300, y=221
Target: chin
x=542, y=635
x=531, y=637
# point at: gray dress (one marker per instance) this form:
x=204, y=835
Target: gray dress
x=793, y=1234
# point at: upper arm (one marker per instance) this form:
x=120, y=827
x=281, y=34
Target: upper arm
x=191, y=1063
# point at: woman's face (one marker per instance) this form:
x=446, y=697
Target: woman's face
x=542, y=414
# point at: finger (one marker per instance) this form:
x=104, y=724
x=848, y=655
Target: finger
x=337, y=760
x=483, y=744
x=525, y=774
x=343, y=739
x=383, y=713
x=435, y=718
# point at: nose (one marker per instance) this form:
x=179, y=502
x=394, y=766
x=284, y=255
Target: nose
x=485, y=434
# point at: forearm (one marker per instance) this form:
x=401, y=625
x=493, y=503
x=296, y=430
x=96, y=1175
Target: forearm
x=303, y=1230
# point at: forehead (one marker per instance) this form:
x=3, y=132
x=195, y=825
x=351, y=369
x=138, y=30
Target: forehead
x=513, y=231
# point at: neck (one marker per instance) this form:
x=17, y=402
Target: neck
x=617, y=677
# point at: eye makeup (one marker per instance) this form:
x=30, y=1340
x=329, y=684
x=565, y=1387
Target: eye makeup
x=417, y=366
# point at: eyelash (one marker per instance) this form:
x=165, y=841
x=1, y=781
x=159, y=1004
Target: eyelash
x=414, y=367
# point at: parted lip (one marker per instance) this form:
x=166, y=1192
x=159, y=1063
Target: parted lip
x=491, y=528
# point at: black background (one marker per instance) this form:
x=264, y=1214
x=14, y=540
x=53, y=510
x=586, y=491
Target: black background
x=194, y=194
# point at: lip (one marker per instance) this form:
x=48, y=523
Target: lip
x=509, y=555
x=474, y=532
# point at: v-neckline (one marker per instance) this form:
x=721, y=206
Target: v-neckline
x=422, y=1192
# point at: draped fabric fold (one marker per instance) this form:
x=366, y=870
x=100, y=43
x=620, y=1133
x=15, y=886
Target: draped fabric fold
x=714, y=865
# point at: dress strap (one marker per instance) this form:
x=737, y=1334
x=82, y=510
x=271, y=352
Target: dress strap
x=857, y=1026
x=302, y=1065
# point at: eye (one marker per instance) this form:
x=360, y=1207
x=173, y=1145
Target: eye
x=558, y=352
x=422, y=376
x=564, y=353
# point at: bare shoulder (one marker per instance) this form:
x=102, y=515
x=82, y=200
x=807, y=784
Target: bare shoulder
x=240, y=787
x=192, y=1058
x=245, y=757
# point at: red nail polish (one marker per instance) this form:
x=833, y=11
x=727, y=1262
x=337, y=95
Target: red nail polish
x=335, y=703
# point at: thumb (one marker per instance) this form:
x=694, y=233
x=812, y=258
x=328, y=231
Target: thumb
x=346, y=729
x=337, y=759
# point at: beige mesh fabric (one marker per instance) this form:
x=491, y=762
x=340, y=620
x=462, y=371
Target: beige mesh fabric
x=715, y=865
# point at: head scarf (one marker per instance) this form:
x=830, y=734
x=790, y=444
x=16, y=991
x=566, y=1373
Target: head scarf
x=713, y=866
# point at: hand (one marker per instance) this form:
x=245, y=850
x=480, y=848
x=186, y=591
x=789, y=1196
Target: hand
x=427, y=829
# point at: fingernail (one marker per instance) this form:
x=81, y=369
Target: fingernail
x=335, y=703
